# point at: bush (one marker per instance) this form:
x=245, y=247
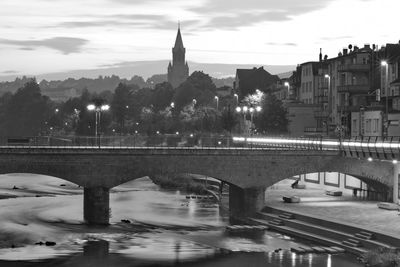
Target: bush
x=382, y=258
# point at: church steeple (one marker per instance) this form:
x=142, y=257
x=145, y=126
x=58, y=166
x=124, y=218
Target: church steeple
x=178, y=71
x=178, y=40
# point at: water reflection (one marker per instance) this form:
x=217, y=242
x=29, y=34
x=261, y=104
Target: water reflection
x=161, y=227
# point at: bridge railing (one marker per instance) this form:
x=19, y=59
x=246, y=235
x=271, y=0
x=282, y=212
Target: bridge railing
x=165, y=140
x=374, y=147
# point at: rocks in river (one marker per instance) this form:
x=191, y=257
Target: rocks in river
x=39, y=243
x=277, y=250
x=125, y=221
x=15, y=187
x=63, y=185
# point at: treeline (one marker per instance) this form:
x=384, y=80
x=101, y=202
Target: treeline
x=192, y=107
x=28, y=112
x=62, y=90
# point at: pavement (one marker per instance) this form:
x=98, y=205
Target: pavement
x=343, y=209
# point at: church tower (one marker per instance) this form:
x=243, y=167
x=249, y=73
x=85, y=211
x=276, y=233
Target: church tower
x=178, y=71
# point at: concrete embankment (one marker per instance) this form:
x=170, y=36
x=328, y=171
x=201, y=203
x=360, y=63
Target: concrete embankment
x=324, y=231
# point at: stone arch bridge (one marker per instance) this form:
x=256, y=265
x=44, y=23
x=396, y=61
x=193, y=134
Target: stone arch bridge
x=247, y=171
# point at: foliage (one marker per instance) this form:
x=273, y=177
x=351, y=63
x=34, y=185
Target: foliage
x=253, y=100
x=162, y=96
x=273, y=116
x=228, y=119
x=26, y=111
x=198, y=86
x=382, y=257
x=120, y=104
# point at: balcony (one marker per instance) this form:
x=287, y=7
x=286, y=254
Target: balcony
x=322, y=99
x=312, y=130
x=354, y=68
x=321, y=114
x=353, y=88
x=347, y=109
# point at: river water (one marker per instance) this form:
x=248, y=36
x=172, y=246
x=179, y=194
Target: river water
x=161, y=228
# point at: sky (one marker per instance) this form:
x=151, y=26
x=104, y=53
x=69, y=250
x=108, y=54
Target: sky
x=45, y=36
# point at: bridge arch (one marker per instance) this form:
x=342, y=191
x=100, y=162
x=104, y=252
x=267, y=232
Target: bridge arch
x=248, y=171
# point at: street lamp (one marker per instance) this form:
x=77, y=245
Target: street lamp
x=329, y=95
x=251, y=110
x=236, y=98
x=217, y=99
x=194, y=101
x=288, y=89
x=97, y=109
x=385, y=64
x=172, y=104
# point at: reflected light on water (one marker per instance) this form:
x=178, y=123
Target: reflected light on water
x=329, y=261
x=310, y=258
x=293, y=259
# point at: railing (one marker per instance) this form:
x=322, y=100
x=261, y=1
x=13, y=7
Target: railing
x=367, y=147
x=353, y=88
x=354, y=68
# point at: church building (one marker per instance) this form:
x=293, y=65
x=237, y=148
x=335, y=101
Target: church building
x=178, y=71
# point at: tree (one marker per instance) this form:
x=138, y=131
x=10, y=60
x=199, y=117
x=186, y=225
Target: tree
x=162, y=96
x=120, y=104
x=228, y=119
x=26, y=111
x=198, y=86
x=273, y=116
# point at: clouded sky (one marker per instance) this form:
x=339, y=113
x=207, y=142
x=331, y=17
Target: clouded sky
x=42, y=36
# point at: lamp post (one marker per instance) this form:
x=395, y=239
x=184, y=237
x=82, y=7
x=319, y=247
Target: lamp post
x=251, y=110
x=194, y=101
x=97, y=109
x=217, y=99
x=287, y=84
x=327, y=76
x=386, y=118
x=236, y=99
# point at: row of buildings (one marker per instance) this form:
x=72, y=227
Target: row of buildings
x=355, y=94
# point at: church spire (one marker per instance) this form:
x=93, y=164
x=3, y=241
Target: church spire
x=178, y=71
x=178, y=41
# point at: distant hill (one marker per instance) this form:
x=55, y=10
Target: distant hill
x=61, y=86
x=148, y=68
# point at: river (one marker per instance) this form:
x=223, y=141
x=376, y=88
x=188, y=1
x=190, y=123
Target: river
x=160, y=228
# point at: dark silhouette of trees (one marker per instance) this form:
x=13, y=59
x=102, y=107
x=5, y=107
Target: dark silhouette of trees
x=162, y=96
x=273, y=116
x=120, y=105
x=228, y=119
x=26, y=111
x=198, y=86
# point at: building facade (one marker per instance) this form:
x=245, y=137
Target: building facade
x=178, y=70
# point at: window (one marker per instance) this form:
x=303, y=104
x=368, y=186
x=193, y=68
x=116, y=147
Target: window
x=375, y=125
x=354, y=127
x=368, y=126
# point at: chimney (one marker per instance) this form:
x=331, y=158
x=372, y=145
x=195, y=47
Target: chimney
x=344, y=51
x=320, y=54
x=367, y=46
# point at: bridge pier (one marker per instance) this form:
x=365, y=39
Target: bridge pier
x=96, y=205
x=245, y=202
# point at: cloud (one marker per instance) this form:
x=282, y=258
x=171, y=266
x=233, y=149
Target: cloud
x=9, y=72
x=65, y=45
x=239, y=13
x=144, y=21
x=281, y=44
x=330, y=38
